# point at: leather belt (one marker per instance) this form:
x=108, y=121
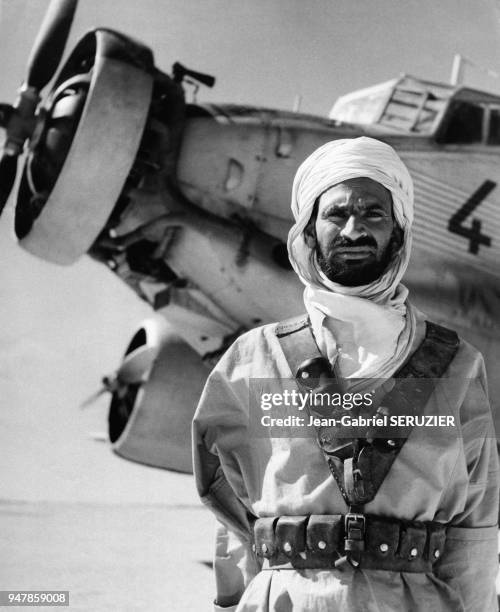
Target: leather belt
x=368, y=541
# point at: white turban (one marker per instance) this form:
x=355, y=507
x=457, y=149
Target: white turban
x=333, y=163
x=367, y=330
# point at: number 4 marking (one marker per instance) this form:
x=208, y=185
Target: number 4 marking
x=473, y=233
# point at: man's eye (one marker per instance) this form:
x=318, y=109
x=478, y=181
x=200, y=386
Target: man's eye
x=375, y=215
x=336, y=215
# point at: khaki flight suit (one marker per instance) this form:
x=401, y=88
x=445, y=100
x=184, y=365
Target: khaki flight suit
x=450, y=477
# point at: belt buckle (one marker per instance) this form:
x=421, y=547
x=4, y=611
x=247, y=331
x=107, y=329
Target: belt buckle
x=355, y=529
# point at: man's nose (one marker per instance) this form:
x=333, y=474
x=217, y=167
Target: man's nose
x=353, y=228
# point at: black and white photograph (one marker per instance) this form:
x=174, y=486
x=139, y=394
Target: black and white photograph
x=250, y=352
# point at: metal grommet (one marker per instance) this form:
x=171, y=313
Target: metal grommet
x=391, y=443
x=287, y=547
x=384, y=547
x=437, y=553
x=322, y=545
x=264, y=548
x=304, y=374
x=413, y=552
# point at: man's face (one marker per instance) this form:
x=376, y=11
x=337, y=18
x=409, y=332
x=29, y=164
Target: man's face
x=354, y=233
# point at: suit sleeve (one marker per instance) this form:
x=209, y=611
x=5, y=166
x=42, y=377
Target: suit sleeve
x=219, y=415
x=470, y=561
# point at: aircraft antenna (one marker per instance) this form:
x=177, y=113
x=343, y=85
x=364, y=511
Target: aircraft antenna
x=458, y=69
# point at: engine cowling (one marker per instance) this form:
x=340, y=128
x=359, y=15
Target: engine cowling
x=153, y=405
x=94, y=142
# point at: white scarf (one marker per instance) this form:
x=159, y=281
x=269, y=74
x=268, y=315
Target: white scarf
x=369, y=328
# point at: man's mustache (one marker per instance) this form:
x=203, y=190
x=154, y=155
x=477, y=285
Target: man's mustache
x=362, y=241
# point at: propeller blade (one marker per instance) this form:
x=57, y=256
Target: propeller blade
x=98, y=436
x=50, y=42
x=93, y=398
x=136, y=364
x=8, y=167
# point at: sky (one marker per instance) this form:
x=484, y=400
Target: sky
x=266, y=52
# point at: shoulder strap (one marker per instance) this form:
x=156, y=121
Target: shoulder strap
x=433, y=356
x=430, y=360
x=292, y=325
x=360, y=471
x=299, y=347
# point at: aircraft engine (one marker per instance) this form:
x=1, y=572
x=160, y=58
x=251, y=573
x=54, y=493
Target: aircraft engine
x=154, y=395
x=110, y=122
x=94, y=118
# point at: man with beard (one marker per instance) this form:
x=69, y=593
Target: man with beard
x=330, y=522
x=355, y=236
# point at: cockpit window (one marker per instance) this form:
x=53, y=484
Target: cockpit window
x=362, y=109
x=494, y=127
x=465, y=125
x=413, y=111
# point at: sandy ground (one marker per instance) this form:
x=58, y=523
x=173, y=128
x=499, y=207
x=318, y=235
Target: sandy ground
x=110, y=557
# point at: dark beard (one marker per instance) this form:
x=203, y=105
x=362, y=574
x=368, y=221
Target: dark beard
x=354, y=273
